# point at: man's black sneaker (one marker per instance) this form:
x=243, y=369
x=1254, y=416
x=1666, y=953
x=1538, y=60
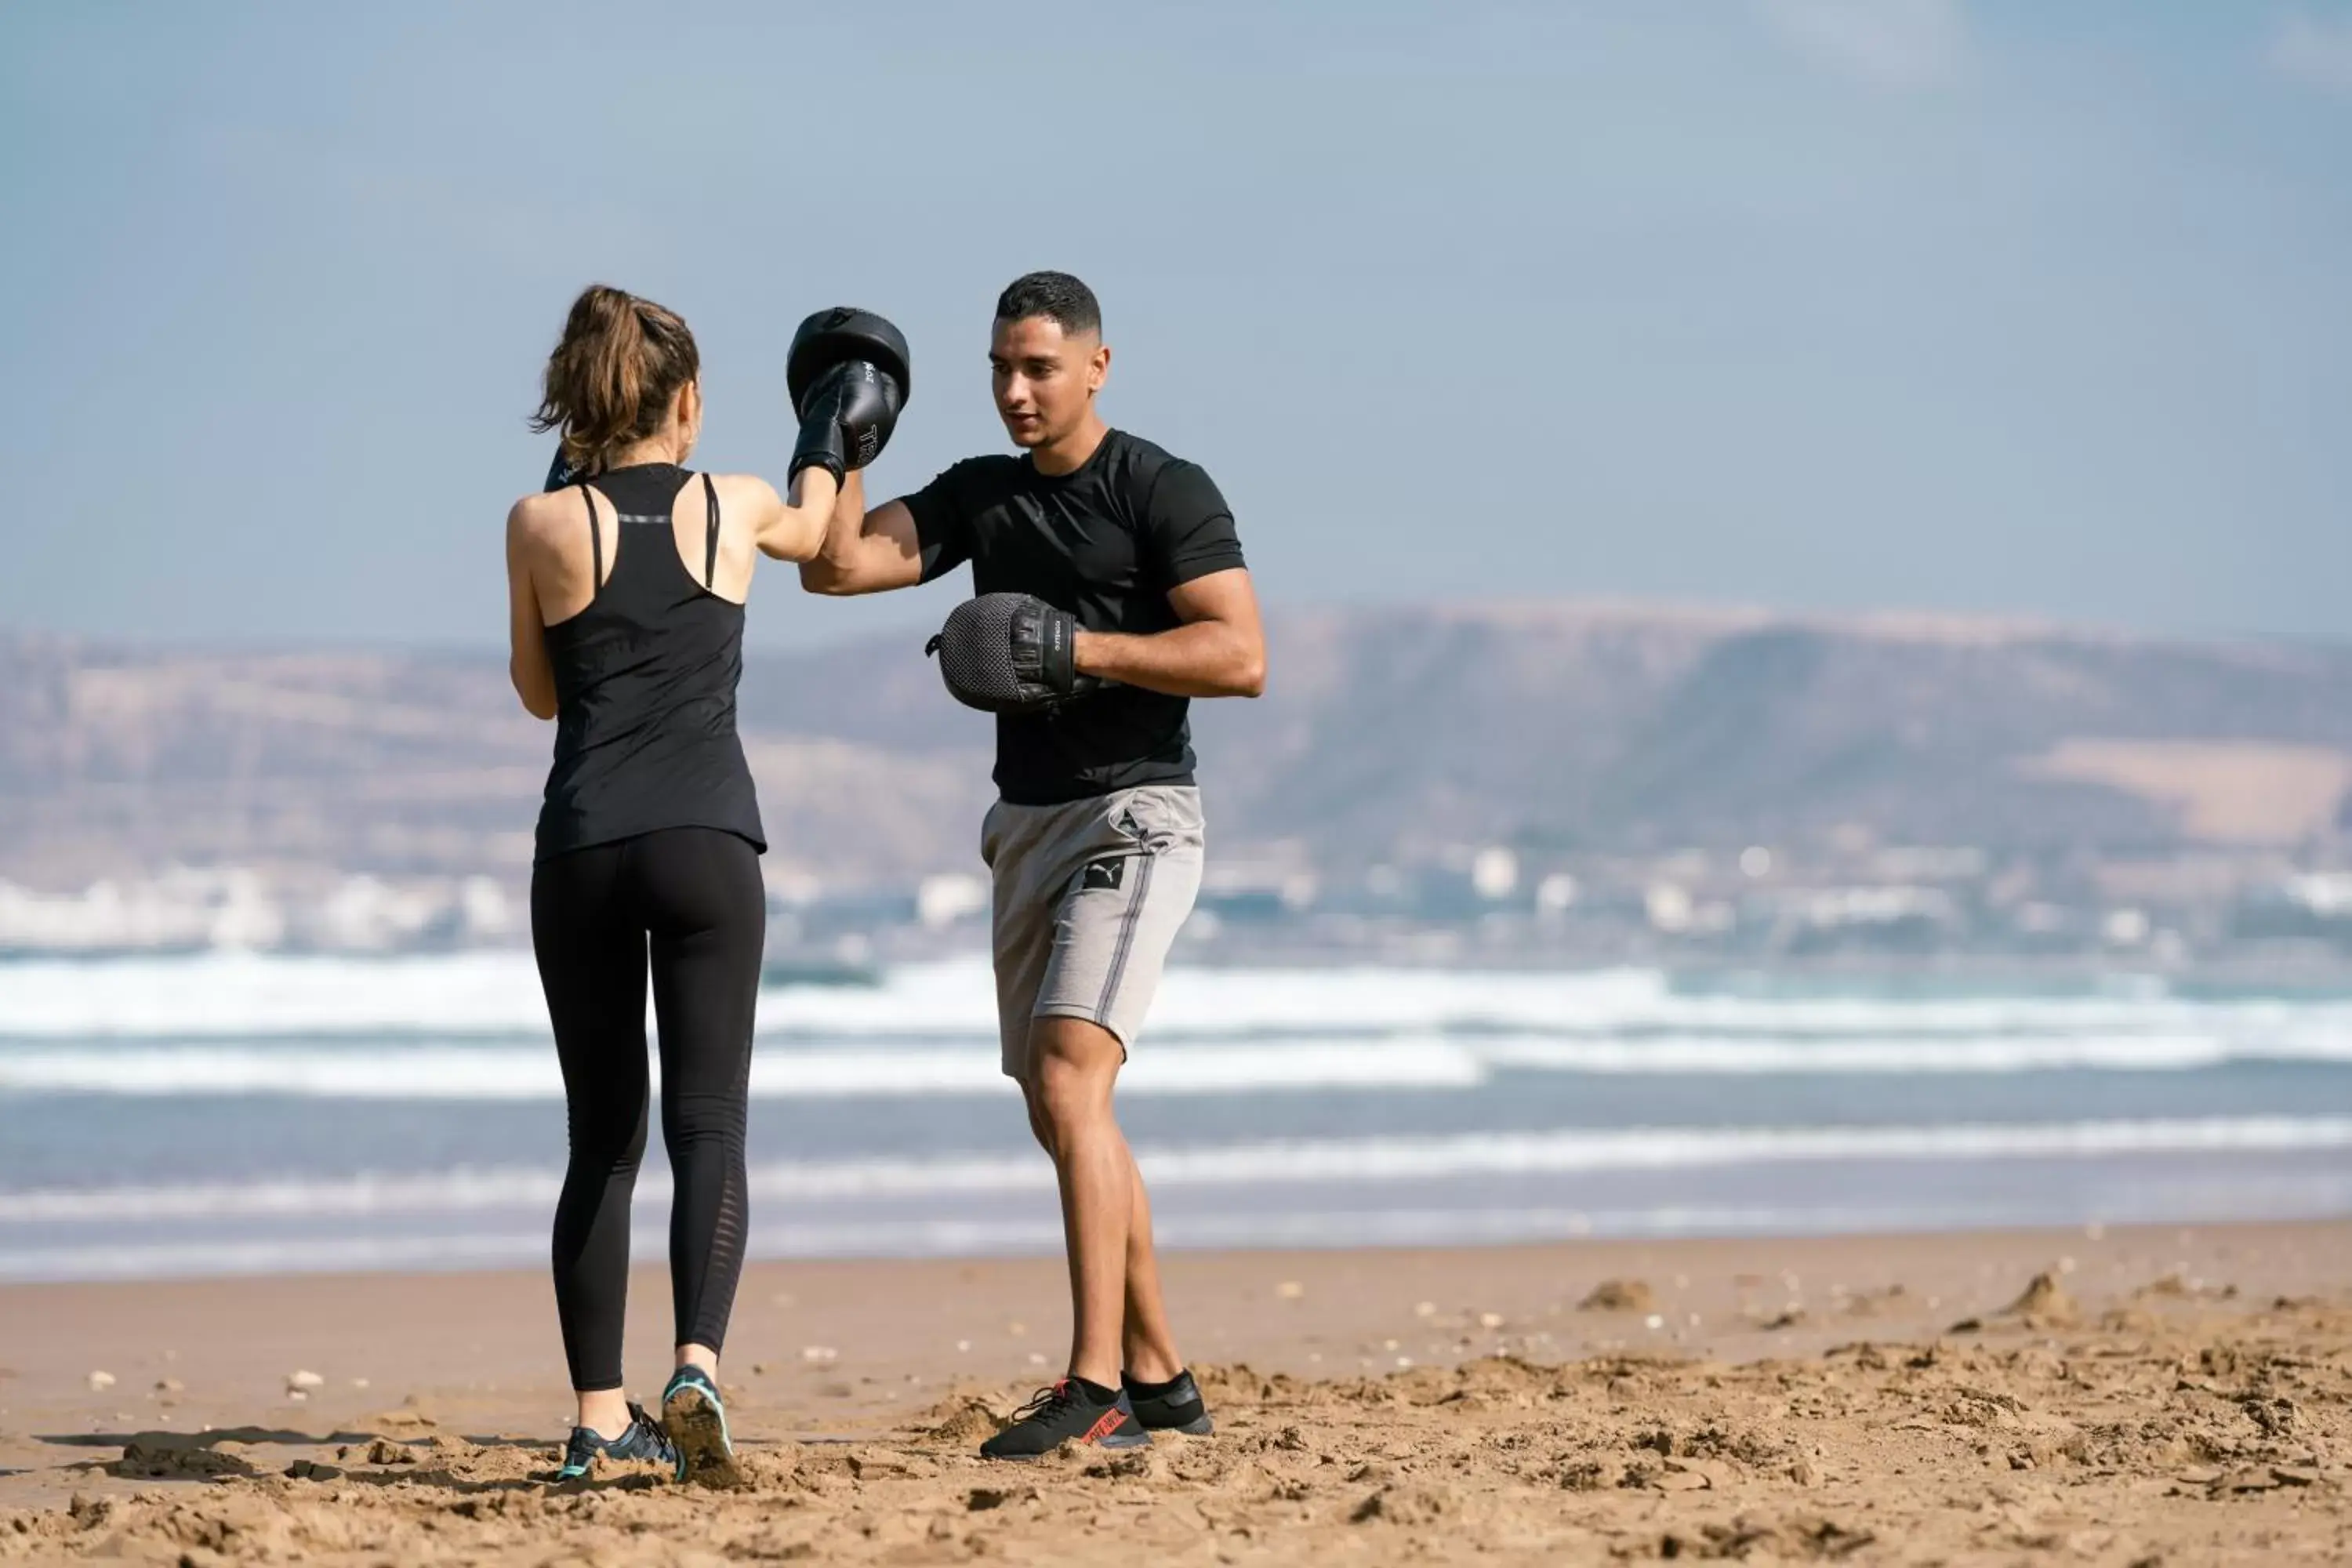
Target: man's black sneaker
x=1073, y=1410
x=641, y=1443
x=696, y=1421
x=1175, y=1406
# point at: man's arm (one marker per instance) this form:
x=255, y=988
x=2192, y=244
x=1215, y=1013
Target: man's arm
x=1219, y=651
x=865, y=551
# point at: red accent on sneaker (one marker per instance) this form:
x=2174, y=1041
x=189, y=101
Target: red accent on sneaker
x=1106, y=1426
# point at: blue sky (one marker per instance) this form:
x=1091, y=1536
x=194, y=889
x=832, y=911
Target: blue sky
x=1822, y=304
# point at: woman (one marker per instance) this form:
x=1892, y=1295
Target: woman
x=626, y=593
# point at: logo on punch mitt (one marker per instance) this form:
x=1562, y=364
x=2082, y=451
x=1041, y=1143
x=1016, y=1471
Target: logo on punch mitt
x=1009, y=653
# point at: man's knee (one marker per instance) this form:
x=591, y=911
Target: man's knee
x=1073, y=1065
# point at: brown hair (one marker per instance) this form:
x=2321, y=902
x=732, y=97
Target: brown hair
x=613, y=377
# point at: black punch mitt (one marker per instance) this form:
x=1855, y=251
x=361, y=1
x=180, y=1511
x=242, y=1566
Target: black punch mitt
x=849, y=374
x=844, y=335
x=1009, y=653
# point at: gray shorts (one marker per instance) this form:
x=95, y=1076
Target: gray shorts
x=1086, y=899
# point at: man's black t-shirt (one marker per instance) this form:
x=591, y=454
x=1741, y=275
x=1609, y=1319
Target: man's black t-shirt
x=1105, y=543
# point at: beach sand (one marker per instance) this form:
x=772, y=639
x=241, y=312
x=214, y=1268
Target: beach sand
x=2133, y=1396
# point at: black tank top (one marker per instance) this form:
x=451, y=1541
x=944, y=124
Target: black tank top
x=645, y=681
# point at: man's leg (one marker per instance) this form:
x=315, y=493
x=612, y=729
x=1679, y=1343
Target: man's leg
x=1111, y=881
x=1148, y=1344
x=1112, y=932
x=1073, y=1066
x=1068, y=1068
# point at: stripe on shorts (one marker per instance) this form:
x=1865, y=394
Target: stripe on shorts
x=1126, y=925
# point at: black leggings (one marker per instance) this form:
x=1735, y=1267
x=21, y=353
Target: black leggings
x=695, y=893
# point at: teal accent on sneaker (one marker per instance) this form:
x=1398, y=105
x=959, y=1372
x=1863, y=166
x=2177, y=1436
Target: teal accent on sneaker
x=641, y=1442
x=695, y=1419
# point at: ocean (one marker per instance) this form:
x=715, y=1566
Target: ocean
x=225, y=1113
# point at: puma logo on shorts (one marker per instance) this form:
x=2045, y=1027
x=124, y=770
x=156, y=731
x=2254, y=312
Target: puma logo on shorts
x=1086, y=899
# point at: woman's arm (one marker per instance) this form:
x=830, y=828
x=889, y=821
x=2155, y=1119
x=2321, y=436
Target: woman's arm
x=526, y=665
x=794, y=529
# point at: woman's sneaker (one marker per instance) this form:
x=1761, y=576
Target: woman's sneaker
x=1175, y=1406
x=1072, y=1411
x=696, y=1420
x=641, y=1443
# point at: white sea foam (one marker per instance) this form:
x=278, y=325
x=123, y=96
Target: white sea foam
x=2156, y=1051
x=239, y=993
x=490, y=995
x=788, y=1070
x=471, y=1028
x=1254, y=1165
x=526, y=1073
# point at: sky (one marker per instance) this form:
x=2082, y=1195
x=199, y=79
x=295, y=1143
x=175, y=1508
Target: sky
x=1823, y=305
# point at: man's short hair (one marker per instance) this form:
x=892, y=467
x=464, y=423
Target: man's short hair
x=1057, y=296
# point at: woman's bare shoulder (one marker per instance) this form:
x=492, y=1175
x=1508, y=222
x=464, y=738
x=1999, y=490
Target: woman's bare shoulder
x=541, y=512
x=741, y=491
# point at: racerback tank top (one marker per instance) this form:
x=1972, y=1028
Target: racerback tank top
x=645, y=681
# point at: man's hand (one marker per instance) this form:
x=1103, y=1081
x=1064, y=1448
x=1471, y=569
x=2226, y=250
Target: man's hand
x=1219, y=651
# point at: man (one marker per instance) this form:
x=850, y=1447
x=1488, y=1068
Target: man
x=1095, y=844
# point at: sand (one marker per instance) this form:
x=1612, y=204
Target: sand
x=2127, y=1397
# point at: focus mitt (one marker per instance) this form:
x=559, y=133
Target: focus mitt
x=1011, y=653
x=849, y=376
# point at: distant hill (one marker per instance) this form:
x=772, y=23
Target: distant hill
x=1387, y=734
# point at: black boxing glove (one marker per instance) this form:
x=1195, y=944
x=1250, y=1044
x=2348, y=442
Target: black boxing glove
x=1011, y=653
x=847, y=417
